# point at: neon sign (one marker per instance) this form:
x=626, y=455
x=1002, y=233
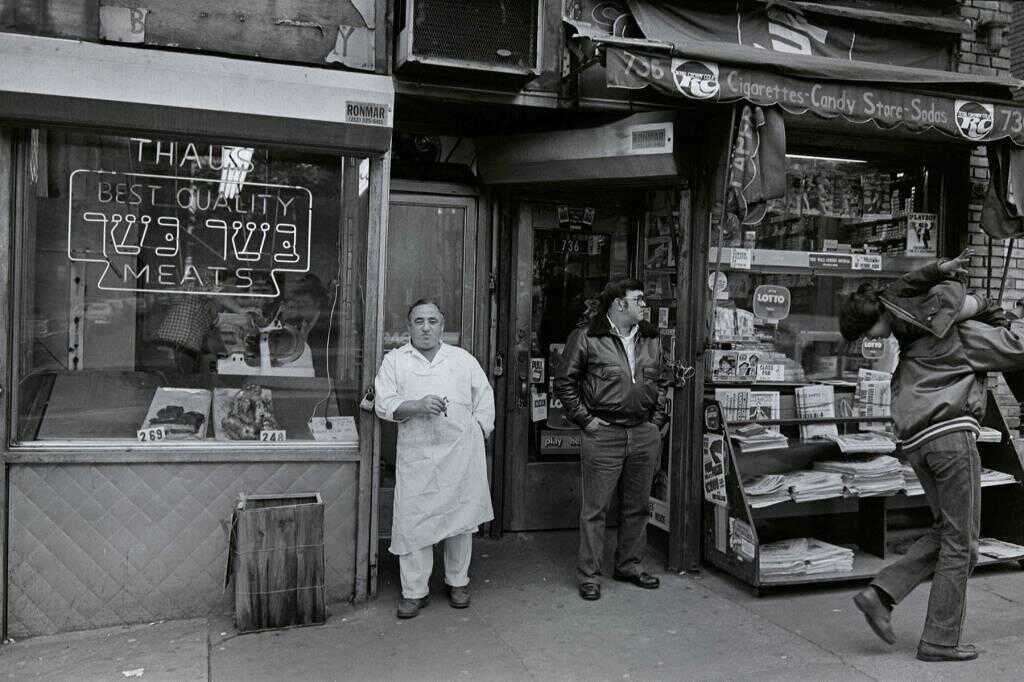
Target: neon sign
x=135, y=225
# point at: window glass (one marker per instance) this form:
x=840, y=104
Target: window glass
x=177, y=290
x=777, y=285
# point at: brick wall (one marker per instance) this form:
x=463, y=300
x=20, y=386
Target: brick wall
x=975, y=56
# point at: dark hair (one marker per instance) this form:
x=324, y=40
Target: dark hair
x=429, y=300
x=859, y=312
x=618, y=289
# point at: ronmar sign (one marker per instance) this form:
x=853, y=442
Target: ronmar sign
x=140, y=226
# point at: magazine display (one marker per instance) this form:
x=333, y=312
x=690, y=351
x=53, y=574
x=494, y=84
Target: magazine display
x=817, y=402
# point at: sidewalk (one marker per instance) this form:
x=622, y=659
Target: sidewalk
x=527, y=622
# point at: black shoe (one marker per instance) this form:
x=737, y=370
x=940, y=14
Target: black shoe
x=590, y=591
x=878, y=615
x=933, y=653
x=410, y=608
x=458, y=597
x=644, y=580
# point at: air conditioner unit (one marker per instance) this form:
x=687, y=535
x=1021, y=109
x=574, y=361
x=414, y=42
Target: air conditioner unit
x=500, y=37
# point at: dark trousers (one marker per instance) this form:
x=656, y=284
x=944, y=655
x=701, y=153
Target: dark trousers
x=950, y=473
x=611, y=454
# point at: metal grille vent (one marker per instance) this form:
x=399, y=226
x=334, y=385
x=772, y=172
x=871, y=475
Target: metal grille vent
x=494, y=32
x=653, y=138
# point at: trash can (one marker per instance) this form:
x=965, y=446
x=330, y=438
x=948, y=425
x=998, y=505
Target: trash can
x=276, y=560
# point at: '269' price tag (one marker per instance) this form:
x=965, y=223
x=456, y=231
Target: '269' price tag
x=153, y=434
x=276, y=436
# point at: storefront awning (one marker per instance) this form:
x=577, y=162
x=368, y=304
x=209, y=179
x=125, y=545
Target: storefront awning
x=964, y=106
x=66, y=82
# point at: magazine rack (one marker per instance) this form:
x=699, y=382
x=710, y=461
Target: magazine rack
x=876, y=526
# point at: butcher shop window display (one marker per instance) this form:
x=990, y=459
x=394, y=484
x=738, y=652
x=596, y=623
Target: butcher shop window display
x=184, y=290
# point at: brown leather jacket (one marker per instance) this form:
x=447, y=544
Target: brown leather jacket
x=594, y=378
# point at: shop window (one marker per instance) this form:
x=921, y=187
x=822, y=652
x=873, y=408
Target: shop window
x=187, y=291
x=777, y=285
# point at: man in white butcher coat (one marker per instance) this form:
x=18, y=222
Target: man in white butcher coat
x=444, y=406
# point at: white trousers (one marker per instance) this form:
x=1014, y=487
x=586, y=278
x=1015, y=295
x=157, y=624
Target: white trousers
x=417, y=566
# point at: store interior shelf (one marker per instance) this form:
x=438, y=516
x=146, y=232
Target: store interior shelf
x=799, y=262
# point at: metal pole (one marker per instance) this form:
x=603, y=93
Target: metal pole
x=709, y=320
x=1006, y=270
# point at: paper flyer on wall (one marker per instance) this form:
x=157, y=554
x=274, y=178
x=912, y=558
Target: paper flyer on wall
x=714, y=470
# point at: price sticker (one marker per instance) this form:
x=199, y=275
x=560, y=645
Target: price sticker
x=153, y=434
x=275, y=436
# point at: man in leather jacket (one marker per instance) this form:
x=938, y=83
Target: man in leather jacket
x=611, y=383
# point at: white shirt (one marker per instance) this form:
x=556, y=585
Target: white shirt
x=629, y=341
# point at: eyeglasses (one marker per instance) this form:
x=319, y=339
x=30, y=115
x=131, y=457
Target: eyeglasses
x=639, y=300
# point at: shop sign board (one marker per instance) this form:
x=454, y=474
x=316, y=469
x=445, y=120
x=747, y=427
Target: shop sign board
x=965, y=119
x=140, y=226
x=830, y=261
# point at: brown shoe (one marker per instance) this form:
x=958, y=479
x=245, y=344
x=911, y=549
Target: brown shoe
x=410, y=608
x=933, y=653
x=458, y=597
x=878, y=615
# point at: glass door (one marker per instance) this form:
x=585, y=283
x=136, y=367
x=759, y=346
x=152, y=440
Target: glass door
x=566, y=251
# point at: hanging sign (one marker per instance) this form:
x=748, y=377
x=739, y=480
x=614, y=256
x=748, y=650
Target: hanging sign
x=772, y=302
x=140, y=226
x=872, y=349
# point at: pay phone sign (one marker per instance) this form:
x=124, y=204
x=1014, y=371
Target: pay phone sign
x=141, y=226
x=772, y=302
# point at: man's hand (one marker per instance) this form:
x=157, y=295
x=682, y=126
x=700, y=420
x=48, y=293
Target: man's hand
x=595, y=424
x=958, y=265
x=431, y=405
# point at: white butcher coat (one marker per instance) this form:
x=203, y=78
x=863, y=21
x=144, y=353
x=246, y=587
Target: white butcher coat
x=441, y=485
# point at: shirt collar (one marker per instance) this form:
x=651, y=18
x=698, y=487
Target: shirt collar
x=615, y=330
x=410, y=349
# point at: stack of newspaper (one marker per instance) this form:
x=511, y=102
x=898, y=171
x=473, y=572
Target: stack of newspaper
x=999, y=549
x=992, y=477
x=864, y=443
x=804, y=556
x=867, y=476
x=911, y=483
x=757, y=438
x=873, y=398
x=989, y=477
x=807, y=486
x=989, y=435
x=764, y=491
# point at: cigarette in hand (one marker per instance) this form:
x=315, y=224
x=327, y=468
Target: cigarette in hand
x=444, y=410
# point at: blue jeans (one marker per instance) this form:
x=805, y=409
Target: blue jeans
x=610, y=454
x=950, y=471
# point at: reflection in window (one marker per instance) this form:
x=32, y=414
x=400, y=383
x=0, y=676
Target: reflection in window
x=184, y=290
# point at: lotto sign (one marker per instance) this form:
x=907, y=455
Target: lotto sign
x=772, y=302
x=139, y=225
x=872, y=349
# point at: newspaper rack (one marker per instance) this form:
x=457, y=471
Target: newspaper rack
x=873, y=526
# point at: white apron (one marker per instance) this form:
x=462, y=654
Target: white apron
x=441, y=485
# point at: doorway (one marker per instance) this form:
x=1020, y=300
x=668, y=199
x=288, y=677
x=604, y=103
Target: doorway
x=565, y=250
x=432, y=250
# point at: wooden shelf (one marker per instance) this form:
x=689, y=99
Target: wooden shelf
x=865, y=566
x=864, y=522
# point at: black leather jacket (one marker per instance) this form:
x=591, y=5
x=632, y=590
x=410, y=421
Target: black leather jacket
x=594, y=378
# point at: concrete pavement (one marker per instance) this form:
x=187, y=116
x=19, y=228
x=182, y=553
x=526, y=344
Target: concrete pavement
x=527, y=622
